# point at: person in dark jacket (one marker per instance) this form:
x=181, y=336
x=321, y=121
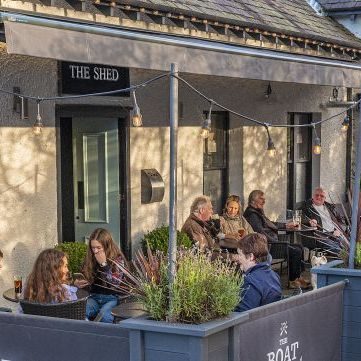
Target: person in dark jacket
x=260, y=223
x=261, y=284
x=316, y=212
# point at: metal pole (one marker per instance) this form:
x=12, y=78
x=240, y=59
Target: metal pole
x=173, y=131
x=355, y=196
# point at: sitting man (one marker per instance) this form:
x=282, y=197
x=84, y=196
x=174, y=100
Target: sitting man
x=256, y=217
x=318, y=213
x=261, y=284
x=201, y=231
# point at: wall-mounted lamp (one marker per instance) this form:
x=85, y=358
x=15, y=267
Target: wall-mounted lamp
x=271, y=149
x=316, y=143
x=136, y=116
x=20, y=104
x=268, y=91
x=206, y=124
x=38, y=125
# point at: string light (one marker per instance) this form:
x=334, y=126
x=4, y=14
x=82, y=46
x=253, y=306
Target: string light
x=271, y=149
x=38, y=125
x=316, y=143
x=136, y=116
x=345, y=123
x=206, y=124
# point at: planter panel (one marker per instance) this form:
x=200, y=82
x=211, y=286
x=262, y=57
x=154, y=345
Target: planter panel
x=351, y=333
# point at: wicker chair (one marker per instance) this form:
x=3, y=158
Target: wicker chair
x=72, y=309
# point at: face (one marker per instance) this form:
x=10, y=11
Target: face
x=96, y=246
x=245, y=261
x=206, y=212
x=319, y=197
x=64, y=269
x=260, y=201
x=232, y=209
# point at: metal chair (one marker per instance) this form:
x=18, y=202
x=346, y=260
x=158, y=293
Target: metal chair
x=75, y=310
x=279, y=253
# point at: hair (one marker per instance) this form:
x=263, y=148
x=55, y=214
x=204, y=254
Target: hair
x=256, y=244
x=199, y=203
x=1, y=254
x=44, y=284
x=112, y=252
x=318, y=189
x=254, y=195
x=233, y=198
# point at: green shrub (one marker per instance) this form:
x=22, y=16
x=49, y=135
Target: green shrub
x=202, y=290
x=358, y=255
x=76, y=254
x=157, y=240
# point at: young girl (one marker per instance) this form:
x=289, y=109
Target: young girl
x=102, y=275
x=48, y=281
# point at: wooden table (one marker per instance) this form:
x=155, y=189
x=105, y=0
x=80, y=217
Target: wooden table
x=127, y=310
x=11, y=296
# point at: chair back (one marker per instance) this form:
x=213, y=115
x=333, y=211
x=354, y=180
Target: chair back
x=72, y=309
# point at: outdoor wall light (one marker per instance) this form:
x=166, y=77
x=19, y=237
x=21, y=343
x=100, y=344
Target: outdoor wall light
x=38, y=125
x=206, y=124
x=317, y=146
x=268, y=91
x=136, y=116
x=345, y=123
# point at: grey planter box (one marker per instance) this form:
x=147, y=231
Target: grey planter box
x=216, y=340
x=351, y=333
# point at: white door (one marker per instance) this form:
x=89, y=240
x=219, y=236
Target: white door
x=96, y=176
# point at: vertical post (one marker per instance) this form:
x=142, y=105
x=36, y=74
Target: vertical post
x=173, y=130
x=355, y=196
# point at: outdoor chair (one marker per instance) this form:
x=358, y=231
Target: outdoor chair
x=279, y=253
x=72, y=309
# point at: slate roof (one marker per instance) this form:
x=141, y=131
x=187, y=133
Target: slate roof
x=290, y=17
x=340, y=5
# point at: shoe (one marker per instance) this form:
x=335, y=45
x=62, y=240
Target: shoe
x=294, y=284
x=303, y=283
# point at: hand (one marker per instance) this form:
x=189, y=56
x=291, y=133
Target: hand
x=313, y=222
x=292, y=225
x=81, y=283
x=100, y=256
x=336, y=233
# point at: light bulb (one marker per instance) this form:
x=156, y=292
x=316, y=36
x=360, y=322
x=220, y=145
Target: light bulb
x=38, y=125
x=345, y=123
x=317, y=146
x=271, y=149
x=204, y=133
x=344, y=128
x=137, y=119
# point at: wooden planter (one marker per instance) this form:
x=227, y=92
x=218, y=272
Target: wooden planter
x=161, y=341
x=351, y=333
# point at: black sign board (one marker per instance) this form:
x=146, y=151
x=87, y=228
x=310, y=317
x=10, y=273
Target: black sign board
x=81, y=78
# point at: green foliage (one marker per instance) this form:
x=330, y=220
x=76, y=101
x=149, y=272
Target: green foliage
x=202, y=290
x=157, y=240
x=358, y=255
x=76, y=254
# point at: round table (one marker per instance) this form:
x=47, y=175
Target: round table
x=11, y=296
x=127, y=310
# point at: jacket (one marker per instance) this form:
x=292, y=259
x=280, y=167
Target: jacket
x=233, y=224
x=261, y=224
x=310, y=212
x=261, y=286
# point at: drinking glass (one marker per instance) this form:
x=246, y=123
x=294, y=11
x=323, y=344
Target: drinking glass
x=18, y=284
x=297, y=217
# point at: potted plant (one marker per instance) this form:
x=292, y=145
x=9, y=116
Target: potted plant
x=157, y=240
x=204, y=294
x=76, y=252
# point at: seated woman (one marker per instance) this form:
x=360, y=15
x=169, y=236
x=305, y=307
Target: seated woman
x=48, y=281
x=102, y=275
x=231, y=221
x=260, y=223
x=261, y=285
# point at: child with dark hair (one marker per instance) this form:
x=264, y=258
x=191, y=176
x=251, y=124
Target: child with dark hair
x=102, y=275
x=48, y=281
x=261, y=284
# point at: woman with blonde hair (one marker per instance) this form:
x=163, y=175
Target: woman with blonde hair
x=232, y=221
x=102, y=275
x=48, y=281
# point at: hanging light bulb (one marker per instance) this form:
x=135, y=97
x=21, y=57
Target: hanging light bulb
x=206, y=124
x=316, y=143
x=38, y=125
x=345, y=123
x=136, y=116
x=271, y=149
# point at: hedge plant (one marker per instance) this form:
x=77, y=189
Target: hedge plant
x=157, y=240
x=76, y=252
